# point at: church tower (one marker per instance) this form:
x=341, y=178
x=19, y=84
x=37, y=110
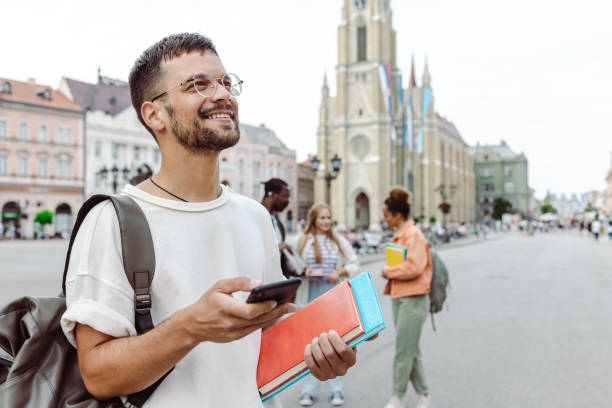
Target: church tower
x=356, y=123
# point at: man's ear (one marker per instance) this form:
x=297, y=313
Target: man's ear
x=152, y=116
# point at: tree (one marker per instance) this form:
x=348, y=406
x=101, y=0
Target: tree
x=547, y=208
x=44, y=217
x=501, y=206
x=590, y=208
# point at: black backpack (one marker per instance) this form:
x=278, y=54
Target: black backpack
x=438, y=287
x=40, y=368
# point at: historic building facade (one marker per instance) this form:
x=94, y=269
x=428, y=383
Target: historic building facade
x=367, y=130
x=258, y=156
x=608, y=200
x=500, y=172
x=305, y=192
x=117, y=146
x=41, y=158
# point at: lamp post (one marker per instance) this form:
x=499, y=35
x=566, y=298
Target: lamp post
x=114, y=171
x=446, y=193
x=336, y=163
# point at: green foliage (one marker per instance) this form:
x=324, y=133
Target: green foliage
x=589, y=208
x=44, y=217
x=432, y=220
x=501, y=206
x=547, y=208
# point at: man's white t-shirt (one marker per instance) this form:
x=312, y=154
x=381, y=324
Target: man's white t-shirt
x=196, y=244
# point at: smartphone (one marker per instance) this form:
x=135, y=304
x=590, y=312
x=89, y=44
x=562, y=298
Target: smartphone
x=281, y=291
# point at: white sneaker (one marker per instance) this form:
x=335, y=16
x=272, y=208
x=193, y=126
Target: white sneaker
x=337, y=399
x=394, y=402
x=306, y=400
x=424, y=402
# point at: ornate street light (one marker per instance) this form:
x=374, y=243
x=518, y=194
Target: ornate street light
x=336, y=164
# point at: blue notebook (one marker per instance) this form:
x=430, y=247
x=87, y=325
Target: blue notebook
x=370, y=313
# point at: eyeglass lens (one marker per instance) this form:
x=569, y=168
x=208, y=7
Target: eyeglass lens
x=205, y=84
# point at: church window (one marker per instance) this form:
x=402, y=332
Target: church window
x=361, y=44
x=360, y=112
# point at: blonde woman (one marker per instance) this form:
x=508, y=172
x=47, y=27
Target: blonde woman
x=329, y=257
x=408, y=284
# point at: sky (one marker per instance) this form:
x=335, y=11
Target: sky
x=535, y=73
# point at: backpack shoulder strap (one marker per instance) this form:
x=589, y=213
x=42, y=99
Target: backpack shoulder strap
x=138, y=263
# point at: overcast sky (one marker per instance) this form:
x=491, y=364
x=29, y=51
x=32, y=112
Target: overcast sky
x=537, y=74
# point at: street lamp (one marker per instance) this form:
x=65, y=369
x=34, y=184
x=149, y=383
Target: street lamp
x=445, y=206
x=114, y=171
x=336, y=163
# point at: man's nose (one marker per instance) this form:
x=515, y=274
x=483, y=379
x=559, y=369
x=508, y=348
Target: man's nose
x=221, y=93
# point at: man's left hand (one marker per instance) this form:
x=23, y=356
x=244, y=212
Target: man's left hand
x=328, y=356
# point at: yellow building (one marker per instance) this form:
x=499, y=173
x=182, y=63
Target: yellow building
x=366, y=130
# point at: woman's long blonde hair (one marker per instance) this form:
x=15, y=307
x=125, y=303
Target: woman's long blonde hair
x=311, y=228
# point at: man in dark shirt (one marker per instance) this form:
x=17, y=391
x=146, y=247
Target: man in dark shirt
x=276, y=200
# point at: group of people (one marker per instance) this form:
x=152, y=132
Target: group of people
x=213, y=246
x=330, y=258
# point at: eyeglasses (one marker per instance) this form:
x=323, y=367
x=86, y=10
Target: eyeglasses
x=205, y=85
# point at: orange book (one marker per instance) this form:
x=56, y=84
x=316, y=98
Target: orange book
x=281, y=355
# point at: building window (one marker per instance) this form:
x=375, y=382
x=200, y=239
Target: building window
x=487, y=187
x=6, y=87
x=23, y=132
x=98, y=149
x=509, y=187
x=42, y=167
x=3, y=129
x=115, y=151
x=361, y=43
x=156, y=155
x=241, y=169
x=485, y=172
x=68, y=167
x=67, y=135
x=508, y=171
x=136, y=153
x=59, y=136
x=22, y=166
x=42, y=134
x=3, y=164
x=59, y=168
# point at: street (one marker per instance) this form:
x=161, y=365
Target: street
x=528, y=323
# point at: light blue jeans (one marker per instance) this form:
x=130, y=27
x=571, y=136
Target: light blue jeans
x=311, y=386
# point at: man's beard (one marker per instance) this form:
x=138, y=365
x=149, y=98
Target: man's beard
x=200, y=139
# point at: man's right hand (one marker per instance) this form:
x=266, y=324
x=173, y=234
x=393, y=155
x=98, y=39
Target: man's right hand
x=219, y=317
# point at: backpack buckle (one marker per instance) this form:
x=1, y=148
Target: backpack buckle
x=143, y=303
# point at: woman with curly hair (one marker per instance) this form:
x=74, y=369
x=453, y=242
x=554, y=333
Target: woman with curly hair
x=329, y=258
x=408, y=284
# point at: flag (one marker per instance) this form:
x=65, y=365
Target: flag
x=427, y=98
x=384, y=72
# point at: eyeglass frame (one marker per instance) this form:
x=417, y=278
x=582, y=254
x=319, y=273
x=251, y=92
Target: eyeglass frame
x=215, y=82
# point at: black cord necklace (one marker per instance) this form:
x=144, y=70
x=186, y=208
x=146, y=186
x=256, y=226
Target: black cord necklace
x=161, y=188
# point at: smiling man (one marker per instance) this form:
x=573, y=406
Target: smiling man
x=211, y=246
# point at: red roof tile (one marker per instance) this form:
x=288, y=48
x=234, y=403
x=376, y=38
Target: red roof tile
x=25, y=92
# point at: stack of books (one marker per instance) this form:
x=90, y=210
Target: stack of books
x=351, y=309
x=396, y=254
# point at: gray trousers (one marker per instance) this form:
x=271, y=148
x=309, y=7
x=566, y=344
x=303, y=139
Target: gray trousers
x=409, y=314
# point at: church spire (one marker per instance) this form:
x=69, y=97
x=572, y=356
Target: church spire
x=426, y=75
x=412, y=75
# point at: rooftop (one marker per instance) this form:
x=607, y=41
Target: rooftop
x=34, y=94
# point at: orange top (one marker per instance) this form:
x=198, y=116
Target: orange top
x=413, y=276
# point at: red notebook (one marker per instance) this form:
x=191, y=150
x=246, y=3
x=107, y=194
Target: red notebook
x=281, y=355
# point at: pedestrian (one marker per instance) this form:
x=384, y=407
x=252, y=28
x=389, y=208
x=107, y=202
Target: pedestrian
x=276, y=200
x=330, y=258
x=610, y=229
x=211, y=245
x=596, y=228
x=408, y=284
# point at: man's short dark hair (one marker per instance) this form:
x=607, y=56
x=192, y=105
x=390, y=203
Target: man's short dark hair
x=274, y=185
x=146, y=76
